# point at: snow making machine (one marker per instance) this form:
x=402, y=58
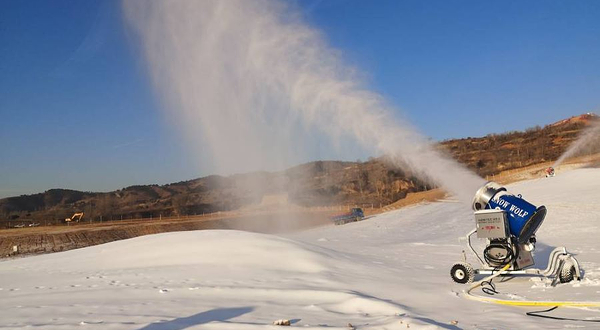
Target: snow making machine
x=508, y=223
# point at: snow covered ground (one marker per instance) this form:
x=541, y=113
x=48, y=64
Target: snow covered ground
x=388, y=272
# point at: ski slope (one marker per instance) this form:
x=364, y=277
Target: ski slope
x=388, y=272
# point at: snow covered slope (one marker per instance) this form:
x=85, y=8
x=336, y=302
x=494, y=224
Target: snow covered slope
x=389, y=272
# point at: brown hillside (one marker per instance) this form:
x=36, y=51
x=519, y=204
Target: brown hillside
x=495, y=153
x=313, y=184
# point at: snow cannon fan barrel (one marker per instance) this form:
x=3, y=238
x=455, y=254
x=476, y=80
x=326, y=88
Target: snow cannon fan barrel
x=524, y=218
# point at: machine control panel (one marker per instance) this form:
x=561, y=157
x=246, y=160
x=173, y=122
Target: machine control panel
x=491, y=224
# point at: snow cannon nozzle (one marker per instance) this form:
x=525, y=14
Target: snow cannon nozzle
x=524, y=218
x=485, y=194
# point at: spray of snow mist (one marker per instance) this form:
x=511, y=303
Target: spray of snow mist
x=250, y=79
x=588, y=136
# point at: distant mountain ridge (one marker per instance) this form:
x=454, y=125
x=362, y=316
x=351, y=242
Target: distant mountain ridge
x=312, y=184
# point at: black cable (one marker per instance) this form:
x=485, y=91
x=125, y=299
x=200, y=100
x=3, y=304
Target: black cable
x=488, y=287
x=510, y=256
x=538, y=314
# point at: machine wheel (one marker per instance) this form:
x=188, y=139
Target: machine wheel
x=462, y=273
x=567, y=273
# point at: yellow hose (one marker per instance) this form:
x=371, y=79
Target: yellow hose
x=524, y=302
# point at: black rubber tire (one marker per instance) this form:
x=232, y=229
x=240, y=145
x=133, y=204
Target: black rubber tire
x=567, y=274
x=462, y=273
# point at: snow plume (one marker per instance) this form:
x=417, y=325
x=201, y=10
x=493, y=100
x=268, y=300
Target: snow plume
x=251, y=81
x=588, y=137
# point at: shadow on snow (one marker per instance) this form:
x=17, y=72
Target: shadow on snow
x=219, y=314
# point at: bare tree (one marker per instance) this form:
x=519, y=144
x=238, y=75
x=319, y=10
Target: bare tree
x=106, y=206
x=180, y=203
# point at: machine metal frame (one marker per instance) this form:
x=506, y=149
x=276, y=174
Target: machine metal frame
x=559, y=257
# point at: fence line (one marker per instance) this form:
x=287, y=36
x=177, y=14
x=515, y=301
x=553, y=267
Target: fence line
x=26, y=223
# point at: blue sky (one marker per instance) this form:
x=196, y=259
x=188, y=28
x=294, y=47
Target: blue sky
x=77, y=111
